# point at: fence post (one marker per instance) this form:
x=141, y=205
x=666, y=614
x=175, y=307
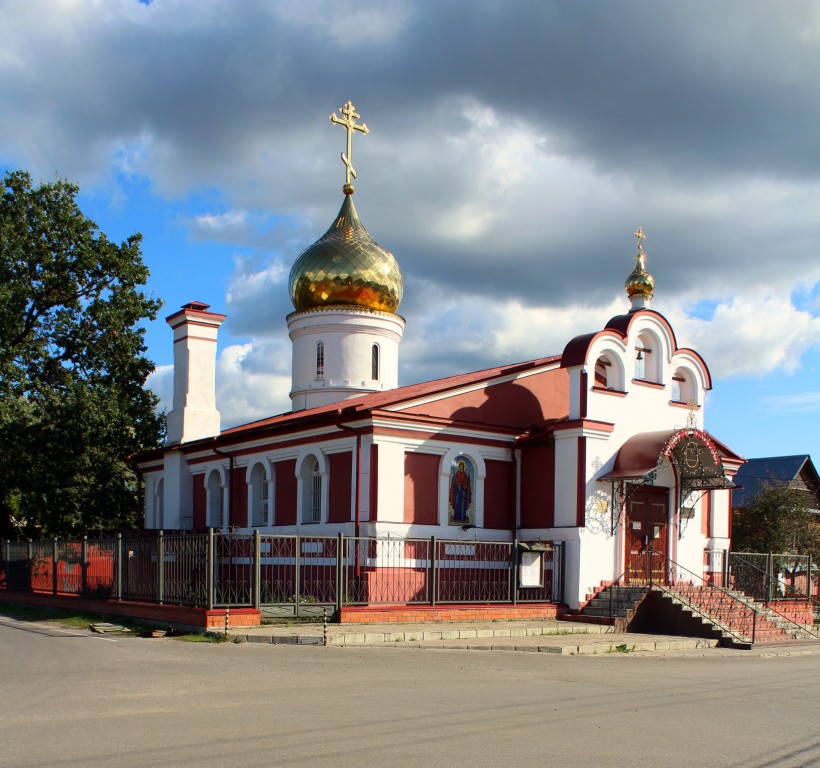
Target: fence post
x=725, y=569
x=160, y=566
x=209, y=573
x=433, y=571
x=54, y=566
x=514, y=575
x=257, y=569
x=563, y=571
x=340, y=581
x=84, y=565
x=119, y=566
x=808, y=580
x=297, y=568
x=30, y=566
x=769, y=574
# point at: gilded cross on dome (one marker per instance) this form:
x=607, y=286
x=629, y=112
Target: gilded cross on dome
x=640, y=284
x=641, y=237
x=348, y=120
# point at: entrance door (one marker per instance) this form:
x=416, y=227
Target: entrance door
x=647, y=524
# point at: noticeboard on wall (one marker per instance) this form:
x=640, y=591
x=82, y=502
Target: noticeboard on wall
x=531, y=569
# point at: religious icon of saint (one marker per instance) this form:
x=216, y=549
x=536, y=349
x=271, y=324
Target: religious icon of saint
x=461, y=491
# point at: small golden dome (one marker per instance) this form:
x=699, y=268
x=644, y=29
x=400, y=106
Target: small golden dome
x=346, y=267
x=640, y=282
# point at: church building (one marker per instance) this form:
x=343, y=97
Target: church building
x=601, y=448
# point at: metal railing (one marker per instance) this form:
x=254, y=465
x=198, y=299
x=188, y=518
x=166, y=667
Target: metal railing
x=653, y=571
x=721, y=607
x=284, y=574
x=768, y=576
x=756, y=575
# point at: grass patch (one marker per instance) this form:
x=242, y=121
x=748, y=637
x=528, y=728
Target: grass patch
x=202, y=637
x=622, y=648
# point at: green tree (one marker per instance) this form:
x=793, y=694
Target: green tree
x=778, y=520
x=73, y=404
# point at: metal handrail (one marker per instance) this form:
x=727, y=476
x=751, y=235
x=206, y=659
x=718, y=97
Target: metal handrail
x=622, y=576
x=712, y=589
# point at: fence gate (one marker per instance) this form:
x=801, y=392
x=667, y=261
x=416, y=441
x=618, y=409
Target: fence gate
x=298, y=576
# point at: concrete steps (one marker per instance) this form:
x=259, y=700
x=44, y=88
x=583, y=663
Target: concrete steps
x=725, y=615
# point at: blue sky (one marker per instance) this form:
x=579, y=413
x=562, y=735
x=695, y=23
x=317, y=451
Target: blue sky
x=514, y=149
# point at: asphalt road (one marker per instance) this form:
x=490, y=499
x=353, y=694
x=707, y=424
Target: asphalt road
x=72, y=699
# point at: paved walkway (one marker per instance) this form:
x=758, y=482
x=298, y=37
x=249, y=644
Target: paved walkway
x=544, y=636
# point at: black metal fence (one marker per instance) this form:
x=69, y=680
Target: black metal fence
x=285, y=575
x=768, y=576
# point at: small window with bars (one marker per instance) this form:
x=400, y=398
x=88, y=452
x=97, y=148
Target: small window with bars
x=320, y=360
x=374, y=363
x=316, y=495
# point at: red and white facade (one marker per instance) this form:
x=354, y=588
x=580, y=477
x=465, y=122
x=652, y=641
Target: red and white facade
x=586, y=447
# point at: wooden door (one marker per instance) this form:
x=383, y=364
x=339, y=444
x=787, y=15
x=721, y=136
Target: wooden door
x=647, y=523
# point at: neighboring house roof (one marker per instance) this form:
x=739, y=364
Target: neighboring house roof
x=757, y=473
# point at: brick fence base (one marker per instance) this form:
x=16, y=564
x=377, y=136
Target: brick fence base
x=178, y=617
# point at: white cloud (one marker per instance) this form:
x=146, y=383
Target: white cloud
x=161, y=382
x=753, y=334
x=802, y=402
x=219, y=222
x=252, y=382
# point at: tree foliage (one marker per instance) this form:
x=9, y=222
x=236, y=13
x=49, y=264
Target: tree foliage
x=778, y=520
x=72, y=365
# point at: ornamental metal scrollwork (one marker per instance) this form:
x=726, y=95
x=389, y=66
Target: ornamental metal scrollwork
x=598, y=518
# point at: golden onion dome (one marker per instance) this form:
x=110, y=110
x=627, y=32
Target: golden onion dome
x=346, y=267
x=640, y=282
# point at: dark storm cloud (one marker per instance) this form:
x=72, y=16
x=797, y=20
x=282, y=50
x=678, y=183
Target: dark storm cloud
x=658, y=86
x=695, y=120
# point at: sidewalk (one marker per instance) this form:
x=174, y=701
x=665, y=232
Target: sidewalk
x=544, y=636
x=540, y=636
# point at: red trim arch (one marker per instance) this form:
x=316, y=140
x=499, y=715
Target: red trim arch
x=576, y=351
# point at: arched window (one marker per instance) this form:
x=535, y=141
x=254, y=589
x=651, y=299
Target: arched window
x=311, y=474
x=316, y=494
x=320, y=360
x=259, y=496
x=647, y=358
x=602, y=367
x=609, y=372
x=374, y=373
x=216, y=500
x=683, y=387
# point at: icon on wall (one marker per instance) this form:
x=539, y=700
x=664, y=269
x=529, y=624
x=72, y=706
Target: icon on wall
x=461, y=510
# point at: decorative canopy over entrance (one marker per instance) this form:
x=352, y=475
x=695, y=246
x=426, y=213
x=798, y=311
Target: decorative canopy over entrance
x=696, y=459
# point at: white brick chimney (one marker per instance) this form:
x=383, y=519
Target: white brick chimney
x=194, y=414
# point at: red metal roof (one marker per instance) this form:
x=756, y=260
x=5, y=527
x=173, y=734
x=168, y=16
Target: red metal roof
x=393, y=397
